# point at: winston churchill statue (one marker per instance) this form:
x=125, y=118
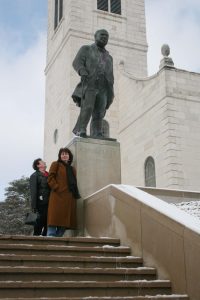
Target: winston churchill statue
x=94, y=94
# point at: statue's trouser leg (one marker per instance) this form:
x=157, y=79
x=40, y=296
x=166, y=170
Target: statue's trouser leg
x=87, y=106
x=99, y=112
x=76, y=129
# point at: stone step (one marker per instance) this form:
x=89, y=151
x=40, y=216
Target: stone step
x=64, y=241
x=147, y=297
x=40, y=268
x=70, y=261
x=75, y=274
x=64, y=250
x=16, y=289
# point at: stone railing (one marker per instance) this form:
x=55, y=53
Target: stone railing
x=172, y=196
x=166, y=237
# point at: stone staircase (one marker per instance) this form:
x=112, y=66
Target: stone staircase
x=76, y=268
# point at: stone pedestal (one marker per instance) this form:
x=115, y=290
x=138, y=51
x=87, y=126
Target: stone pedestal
x=166, y=62
x=98, y=163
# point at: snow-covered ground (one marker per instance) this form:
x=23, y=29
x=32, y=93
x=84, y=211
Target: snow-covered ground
x=192, y=208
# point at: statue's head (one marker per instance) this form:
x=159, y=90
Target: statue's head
x=101, y=38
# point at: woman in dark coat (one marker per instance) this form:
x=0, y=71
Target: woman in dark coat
x=64, y=191
x=40, y=191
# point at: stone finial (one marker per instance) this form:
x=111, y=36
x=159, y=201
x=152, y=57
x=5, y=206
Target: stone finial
x=166, y=61
x=165, y=50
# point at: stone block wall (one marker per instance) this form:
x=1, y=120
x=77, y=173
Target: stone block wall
x=183, y=92
x=159, y=117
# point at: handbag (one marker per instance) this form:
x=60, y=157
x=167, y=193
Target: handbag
x=30, y=218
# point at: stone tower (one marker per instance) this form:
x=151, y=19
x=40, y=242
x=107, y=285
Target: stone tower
x=71, y=24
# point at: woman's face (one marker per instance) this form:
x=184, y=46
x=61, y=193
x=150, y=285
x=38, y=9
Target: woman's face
x=42, y=165
x=64, y=156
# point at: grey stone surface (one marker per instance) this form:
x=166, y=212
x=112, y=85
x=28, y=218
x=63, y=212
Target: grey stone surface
x=98, y=164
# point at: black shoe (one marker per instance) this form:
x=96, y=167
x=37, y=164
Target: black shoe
x=83, y=135
x=99, y=135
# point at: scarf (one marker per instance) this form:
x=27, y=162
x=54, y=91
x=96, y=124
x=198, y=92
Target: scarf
x=71, y=180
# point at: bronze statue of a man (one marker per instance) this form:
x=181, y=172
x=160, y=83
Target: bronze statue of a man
x=94, y=94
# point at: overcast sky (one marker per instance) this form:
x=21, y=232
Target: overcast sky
x=22, y=61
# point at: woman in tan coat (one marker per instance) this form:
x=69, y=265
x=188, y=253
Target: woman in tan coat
x=64, y=192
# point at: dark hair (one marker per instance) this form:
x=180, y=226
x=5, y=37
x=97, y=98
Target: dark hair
x=65, y=150
x=35, y=164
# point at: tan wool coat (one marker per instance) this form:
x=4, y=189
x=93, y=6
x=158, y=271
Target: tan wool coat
x=62, y=204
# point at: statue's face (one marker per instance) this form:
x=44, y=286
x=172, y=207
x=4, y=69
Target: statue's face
x=101, y=38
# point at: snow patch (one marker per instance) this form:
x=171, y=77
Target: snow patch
x=191, y=207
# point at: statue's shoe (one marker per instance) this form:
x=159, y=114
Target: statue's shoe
x=99, y=135
x=83, y=135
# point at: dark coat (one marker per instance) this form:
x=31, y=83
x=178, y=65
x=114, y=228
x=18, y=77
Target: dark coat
x=39, y=190
x=87, y=59
x=62, y=204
